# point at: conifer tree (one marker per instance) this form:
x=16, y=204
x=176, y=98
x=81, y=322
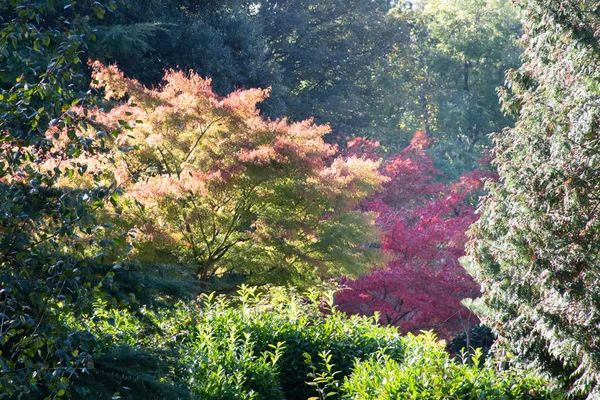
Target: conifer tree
x=535, y=249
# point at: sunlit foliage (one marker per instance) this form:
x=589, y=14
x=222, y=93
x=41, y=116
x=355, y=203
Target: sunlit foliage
x=536, y=249
x=209, y=183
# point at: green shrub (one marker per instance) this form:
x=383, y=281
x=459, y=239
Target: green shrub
x=266, y=337
x=428, y=372
x=281, y=345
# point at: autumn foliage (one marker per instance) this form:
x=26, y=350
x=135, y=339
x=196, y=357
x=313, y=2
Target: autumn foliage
x=209, y=183
x=424, y=223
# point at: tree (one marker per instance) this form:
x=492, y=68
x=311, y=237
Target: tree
x=377, y=69
x=220, y=39
x=445, y=78
x=535, y=249
x=424, y=224
x=41, y=44
x=209, y=183
x=331, y=54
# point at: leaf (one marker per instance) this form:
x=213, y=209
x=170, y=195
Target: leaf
x=99, y=11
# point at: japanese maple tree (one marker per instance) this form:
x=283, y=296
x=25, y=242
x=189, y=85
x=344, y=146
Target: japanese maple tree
x=211, y=184
x=424, y=223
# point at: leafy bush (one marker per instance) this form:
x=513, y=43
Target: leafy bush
x=427, y=372
x=266, y=337
x=282, y=345
x=41, y=44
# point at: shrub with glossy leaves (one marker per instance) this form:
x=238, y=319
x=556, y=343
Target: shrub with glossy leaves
x=427, y=372
x=41, y=43
x=259, y=342
x=281, y=345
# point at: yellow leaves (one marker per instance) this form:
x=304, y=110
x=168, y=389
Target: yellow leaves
x=116, y=86
x=244, y=102
x=177, y=83
x=349, y=180
x=263, y=155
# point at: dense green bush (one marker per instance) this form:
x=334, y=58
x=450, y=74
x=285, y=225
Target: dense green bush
x=427, y=372
x=282, y=345
x=42, y=42
x=280, y=329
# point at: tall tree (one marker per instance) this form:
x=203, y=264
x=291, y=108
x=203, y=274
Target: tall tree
x=331, y=54
x=536, y=248
x=219, y=39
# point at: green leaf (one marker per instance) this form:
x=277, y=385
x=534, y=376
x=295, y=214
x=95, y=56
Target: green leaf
x=99, y=11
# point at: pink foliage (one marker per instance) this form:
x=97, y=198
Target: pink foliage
x=208, y=182
x=424, y=224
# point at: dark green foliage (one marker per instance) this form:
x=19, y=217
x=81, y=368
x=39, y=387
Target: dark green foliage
x=38, y=351
x=220, y=40
x=331, y=54
x=536, y=249
x=41, y=44
x=155, y=286
x=133, y=373
x=321, y=58
x=38, y=58
x=480, y=337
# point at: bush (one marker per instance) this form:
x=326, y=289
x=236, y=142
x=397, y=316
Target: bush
x=279, y=345
x=265, y=338
x=282, y=345
x=428, y=372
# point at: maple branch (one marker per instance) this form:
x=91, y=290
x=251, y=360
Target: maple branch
x=202, y=133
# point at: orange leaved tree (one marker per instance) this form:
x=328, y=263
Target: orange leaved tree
x=209, y=183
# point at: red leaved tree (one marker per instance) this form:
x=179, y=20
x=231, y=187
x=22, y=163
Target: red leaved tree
x=424, y=223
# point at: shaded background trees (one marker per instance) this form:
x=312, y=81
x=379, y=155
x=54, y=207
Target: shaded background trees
x=220, y=40
x=444, y=79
